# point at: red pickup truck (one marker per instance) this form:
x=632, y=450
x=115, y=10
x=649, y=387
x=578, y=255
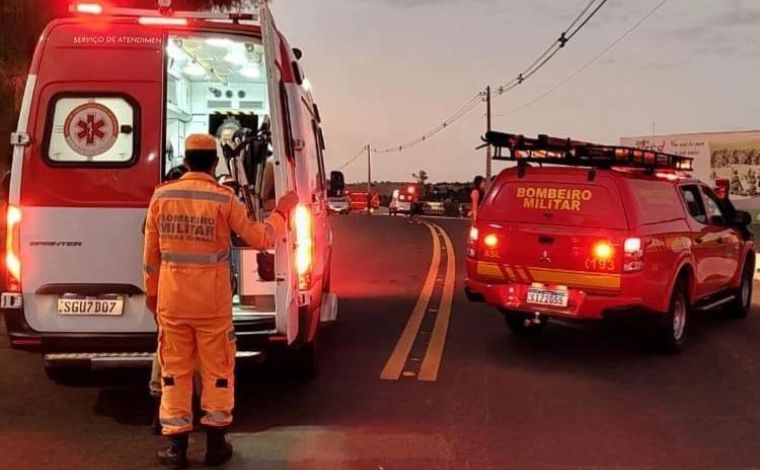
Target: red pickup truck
x=610, y=232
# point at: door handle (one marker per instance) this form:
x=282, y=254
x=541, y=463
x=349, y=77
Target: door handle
x=721, y=241
x=545, y=240
x=699, y=240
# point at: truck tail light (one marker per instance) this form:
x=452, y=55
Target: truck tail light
x=474, y=233
x=491, y=240
x=304, y=245
x=633, y=259
x=472, y=242
x=13, y=249
x=603, y=251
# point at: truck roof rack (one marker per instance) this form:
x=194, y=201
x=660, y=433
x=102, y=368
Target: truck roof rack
x=94, y=7
x=558, y=151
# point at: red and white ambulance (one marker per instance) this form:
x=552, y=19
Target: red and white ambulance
x=110, y=97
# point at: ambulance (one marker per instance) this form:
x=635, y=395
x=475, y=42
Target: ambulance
x=111, y=95
x=404, y=199
x=578, y=231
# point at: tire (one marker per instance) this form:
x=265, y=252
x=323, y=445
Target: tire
x=741, y=306
x=304, y=362
x=670, y=330
x=519, y=325
x=68, y=376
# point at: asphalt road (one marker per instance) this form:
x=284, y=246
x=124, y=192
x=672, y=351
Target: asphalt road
x=576, y=397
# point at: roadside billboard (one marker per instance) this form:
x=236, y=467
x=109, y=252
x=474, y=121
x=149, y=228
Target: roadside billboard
x=731, y=155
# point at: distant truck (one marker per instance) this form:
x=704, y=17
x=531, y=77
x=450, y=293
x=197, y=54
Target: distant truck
x=360, y=201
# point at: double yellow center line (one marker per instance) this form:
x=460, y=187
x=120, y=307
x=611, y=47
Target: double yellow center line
x=431, y=363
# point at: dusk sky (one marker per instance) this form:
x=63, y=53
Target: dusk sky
x=384, y=71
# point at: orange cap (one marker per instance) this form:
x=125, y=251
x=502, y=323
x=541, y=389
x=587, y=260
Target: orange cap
x=200, y=142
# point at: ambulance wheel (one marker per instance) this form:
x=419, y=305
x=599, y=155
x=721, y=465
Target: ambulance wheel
x=671, y=328
x=305, y=362
x=67, y=376
x=742, y=303
x=521, y=324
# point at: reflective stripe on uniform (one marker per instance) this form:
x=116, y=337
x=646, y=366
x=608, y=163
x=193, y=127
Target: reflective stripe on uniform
x=188, y=194
x=217, y=418
x=195, y=258
x=179, y=422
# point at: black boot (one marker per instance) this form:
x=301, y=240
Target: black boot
x=218, y=450
x=174, y=455
x=155, y=426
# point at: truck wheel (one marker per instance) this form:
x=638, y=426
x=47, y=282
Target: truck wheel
x=671, y=328
x=741, y=306
x=521, y=324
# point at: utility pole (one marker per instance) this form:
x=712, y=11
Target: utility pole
x=369, y=179
x=488, y=128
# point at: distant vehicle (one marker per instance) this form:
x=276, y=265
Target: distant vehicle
x=94, y=141
x=613, y=231
x=339, y=205
x=404, y=199
x=361, y=201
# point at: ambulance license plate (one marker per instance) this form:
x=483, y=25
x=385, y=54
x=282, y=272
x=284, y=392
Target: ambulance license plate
x=551, y=298
x=111, y=307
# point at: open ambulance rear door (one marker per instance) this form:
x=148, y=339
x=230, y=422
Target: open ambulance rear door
x=286, y=297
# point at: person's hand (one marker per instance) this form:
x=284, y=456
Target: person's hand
x=287, y=203
x=151, y=302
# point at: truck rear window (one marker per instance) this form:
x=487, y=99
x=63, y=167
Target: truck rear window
x=570, y=204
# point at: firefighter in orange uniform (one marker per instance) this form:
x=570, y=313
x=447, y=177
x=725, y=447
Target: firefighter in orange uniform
x=187, y=281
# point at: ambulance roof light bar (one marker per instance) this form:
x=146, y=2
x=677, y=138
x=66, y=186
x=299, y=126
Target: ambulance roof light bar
x=164, y=10
x=559, y=151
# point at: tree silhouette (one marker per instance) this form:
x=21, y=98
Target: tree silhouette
x=421, y=177
x=22, y=21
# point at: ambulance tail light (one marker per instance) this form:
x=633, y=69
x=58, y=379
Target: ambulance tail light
x=633, y=255
x=304, y=229
x=13, y=249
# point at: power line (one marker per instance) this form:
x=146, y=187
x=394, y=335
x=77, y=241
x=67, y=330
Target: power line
x=574, y=28
x=461, y=112
x=554, y=48
x=354, y=158
x=588, y=64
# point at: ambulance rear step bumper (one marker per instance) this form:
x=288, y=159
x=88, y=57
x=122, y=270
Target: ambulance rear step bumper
x=98, y=361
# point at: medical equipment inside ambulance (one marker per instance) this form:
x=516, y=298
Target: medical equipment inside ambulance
x=217, y=85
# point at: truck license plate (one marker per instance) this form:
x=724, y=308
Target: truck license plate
x=103, y=307
x=551, y=298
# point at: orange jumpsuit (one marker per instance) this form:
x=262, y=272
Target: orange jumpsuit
x=186, y=264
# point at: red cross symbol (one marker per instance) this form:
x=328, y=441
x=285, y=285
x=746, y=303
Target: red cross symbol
x=91, y=129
